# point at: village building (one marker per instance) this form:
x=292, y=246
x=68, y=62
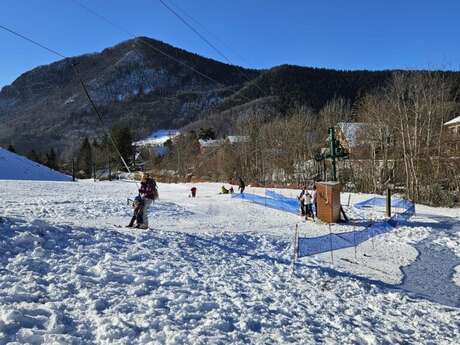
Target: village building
x=352, y=137
x=453, y=135
x=212, y=144
x=155, y=143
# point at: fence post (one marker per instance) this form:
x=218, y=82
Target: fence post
x=295, y=248
x=330, y=240
x=354, y=242
x=388, y=202
x=73, y=170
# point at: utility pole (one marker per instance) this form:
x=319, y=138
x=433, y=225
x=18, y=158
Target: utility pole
x=388, y=203
x=334, y=151
x=332, y=148
x=73, y=170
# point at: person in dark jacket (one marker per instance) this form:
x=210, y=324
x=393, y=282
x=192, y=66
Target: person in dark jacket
x=241, y=185
x=193, y=191
x=149, y=193
x=303, y=210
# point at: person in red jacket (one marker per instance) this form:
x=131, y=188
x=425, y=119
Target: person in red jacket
x=149, y=193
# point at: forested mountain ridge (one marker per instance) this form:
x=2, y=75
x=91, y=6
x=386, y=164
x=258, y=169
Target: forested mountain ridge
x=132, y=84
x=146, y=84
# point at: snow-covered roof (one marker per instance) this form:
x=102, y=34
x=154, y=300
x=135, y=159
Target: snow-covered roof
x=16, y=167
x=158, y=137
x=353, y=131
x=237, y=139
x=233, y=139
x=211, y=142
x=454, y=121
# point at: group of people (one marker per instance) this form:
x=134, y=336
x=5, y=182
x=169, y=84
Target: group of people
x=241, y=187
x=308, y=204
x=224, y=190
x=148, y=193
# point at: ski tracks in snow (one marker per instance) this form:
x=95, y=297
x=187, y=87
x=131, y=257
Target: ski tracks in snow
x=68, y=277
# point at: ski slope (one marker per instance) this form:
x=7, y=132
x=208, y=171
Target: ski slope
x=16, y=167
x=213, y=270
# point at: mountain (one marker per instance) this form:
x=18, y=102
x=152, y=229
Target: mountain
x=16, y=167
x=132, y=84
x=146, y=84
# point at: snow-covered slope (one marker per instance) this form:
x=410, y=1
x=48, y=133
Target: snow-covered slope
x=213, y=270
x=16, y=167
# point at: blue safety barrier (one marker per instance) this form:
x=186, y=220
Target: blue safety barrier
x=325, y=243
x=272, y=200
x=322, y=244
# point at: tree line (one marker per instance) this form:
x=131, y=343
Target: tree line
x=405, y=141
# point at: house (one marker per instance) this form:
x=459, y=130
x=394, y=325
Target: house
x=210, y=144
x=352, y=136
x=213, y=144
x=453, y=135
x=155, y=143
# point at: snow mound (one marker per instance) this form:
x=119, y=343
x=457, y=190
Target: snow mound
x=16, y=167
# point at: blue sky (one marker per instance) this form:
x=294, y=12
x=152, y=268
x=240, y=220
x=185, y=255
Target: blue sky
x=347, y=34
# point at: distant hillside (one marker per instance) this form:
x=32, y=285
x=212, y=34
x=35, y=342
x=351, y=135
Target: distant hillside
x=133, y=84
x=16, y=167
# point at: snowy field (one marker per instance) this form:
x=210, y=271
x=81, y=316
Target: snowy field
x=214, y=270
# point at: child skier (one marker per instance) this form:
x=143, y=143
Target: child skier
x=138, y=206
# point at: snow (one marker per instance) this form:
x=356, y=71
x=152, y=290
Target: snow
x=214, y=270
x=455, y=120
x=158, y=137
x=16, y=167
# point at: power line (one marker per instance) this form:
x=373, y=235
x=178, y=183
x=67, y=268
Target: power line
x=90, y=100
x=196, y=21
x=208, y=42
x=149, y=44
x=33, y=42
x=130, y=34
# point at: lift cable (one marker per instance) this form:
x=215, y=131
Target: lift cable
x=77, y=73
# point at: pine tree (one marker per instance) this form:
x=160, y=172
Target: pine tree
x=207, y=134
x=34, y=156
x=11, y=148
x=85, y=157
x=51, y=160
x=124, y=140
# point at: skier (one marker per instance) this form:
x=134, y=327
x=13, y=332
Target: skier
x=149, y=193
x=241, y=185
x=138, y=205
